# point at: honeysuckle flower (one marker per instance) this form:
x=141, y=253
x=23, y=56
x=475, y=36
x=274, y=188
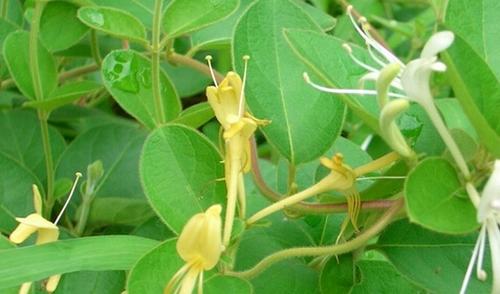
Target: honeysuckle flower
x=200, y=246
x=488, y=215
x=46, y=230
x=341, y=178
x=227, y=99
x=411, y=82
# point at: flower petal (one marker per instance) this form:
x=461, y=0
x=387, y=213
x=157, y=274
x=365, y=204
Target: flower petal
x=438, y=42
x=491, y=193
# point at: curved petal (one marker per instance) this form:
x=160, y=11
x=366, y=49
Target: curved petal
x=490, y=194
x=438, y=42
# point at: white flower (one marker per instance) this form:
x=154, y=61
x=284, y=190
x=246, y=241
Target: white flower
x=412, y=82
x=488, y=215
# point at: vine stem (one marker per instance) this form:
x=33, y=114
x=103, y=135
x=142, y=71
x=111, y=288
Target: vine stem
x=39, y=95
x=194, y=64
x=94, y=47
x=76, y=72
x=338, y=249
x=155, y=63
x=305, y=207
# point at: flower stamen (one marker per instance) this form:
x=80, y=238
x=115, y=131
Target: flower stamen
x=208, y=58
x=347, y=91
x=77, y=177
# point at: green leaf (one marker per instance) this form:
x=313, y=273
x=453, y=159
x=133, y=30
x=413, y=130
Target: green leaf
x=218, y=34
x=324, y=20
x=275, y=88
x=127, y=76
x=22, y=141
x=83, y=254
x=436, y=199
x=65, y=95
x=180, y=169
x=475, y=54
x=6, y=27
x=153, y=272
x=454, y=116
x=154, y=228
x=381, y=277
x=113, y=21
x=111, y=282
x=476, y=23
x=196, y=115
x=118, y=147
x=16, y=54
x=338, y=274
x=118, y=211
x=59, y=26
x=16, y=198
x=142, y=10
x=435, y=261
x=184, y=16
x=328, y=63
x=187, y=81
x=479, y=97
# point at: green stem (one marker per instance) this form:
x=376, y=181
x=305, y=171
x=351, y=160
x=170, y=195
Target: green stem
x=448, y=139
x=306, y=207
x=94, y=47
x=292, y=186
x=33, y=49
x=338, y=249
x=42, y=115
x=49, y=163
x=84, y=215
x=155, y=63
x=5, y=6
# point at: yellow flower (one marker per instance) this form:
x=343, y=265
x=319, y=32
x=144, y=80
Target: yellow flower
x=46, y=230
x=200, y=246
x=227, y=99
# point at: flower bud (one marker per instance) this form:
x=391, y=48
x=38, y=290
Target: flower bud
x=200, y=240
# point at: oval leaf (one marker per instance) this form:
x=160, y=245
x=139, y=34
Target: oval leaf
x=118, y=147
x=65, y=95
x=41, y=261
x=184, y=16
x=113, y=21
x=436, y=199
x=22, y=141
x=59, y=26
x=16, y=198
x=153, y=272
x=127, y=76
x=327, y=60
x=180, y=171
x=437, y=262
x=276, y=89
x=16, y=55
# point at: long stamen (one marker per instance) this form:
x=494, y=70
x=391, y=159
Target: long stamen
x=356, y=60
x=376, y=45
x=347, y=91
x=374, y=56
x=242, y=94
x=77, y=177
x=481, y=274
x=208, y=58
x=369, y=39
x=381, y=178
x=473, y=258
